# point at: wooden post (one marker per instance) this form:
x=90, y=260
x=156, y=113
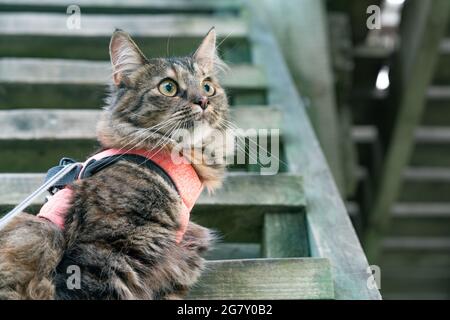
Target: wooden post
x=423, y=26
x=301, y=30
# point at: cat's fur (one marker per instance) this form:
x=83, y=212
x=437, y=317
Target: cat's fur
x=121, y=228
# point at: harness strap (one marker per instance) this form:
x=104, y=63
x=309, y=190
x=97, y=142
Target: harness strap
x=172, y=168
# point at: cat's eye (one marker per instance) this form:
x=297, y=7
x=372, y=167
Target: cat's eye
x=168, y=88
x=208, y=88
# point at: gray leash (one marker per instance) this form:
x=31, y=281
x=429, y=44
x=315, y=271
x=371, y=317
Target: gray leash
x=43, y=188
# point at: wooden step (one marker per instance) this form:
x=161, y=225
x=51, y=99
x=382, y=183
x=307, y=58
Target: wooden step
x=236, y=210
x=441, y=74
x=420, y=220
x=35, y=139
x=437, y=112
x=280, y=191
x=425, y=184
x=233, y=251
x=432, y=147
x=269, y=279
x=130, y=6
x=144, y=26
x=47, y=34
x=419, y=265
x=61, y=124
x=54, y=83
x=416, y=253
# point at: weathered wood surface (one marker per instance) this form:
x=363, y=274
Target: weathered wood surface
x=280, y=191
x=83, y=72
x=420, y=219
x=431, y=145
x=326, y=210
x=423, y=26
x=265, y=279
x=118, y=6
x=425, y=184
x=56, y=83
x=233, y=251
x=33, y=124
x=53, y=25
x=285, y=235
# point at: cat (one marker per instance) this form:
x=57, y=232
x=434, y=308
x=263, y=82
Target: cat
x=120, y=229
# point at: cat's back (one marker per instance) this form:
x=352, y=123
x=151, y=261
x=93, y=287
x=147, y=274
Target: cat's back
x=122, y=221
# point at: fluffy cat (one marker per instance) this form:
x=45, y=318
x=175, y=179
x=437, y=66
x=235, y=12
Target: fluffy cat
x=121, y=226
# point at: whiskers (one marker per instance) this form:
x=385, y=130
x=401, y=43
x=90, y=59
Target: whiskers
x=243, y=140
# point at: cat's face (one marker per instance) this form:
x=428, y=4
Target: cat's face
x=156, y=97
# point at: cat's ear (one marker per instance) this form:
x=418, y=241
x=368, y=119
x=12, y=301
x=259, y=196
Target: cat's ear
x=125, y=55
x=206, y=54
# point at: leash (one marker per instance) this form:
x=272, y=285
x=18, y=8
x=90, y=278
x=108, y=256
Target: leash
x=66, y=169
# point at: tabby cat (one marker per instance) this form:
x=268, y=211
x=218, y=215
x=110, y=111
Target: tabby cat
x=120, y=229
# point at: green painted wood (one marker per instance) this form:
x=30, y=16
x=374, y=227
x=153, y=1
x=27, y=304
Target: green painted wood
x=413, y=219
x=326, y=210
x=432, y=147
x=50, y=24
x=315, y=80
x=61, y=124
x=234, y=251
x=39, y=155
x=55, y=83
x=437, y=112
x=265, y=279
x=422, y=29
x=285, y=235
x=281, y=191
x=236, y=210
x=425, y=184
x=130, y=6
x=427, y=285
x=47, y=35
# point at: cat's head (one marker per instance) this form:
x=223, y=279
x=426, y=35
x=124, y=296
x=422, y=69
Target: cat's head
x=151, y=98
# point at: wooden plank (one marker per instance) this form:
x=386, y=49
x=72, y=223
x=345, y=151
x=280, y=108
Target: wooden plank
x=265, y=279
x=422, y=28
x=432, y=147
x=60, y=124
x=54, y=83
x=55, y=25
x=437, y=111
x=280, y=191
x=285, y=235
x=428, y=284
x=315, y=80
x=83, y=72
x=425, y=184
x=236, y=210
x=114, y=6
x=233, y=251
x=47, y=35
x=326, y=210
x=420, y=219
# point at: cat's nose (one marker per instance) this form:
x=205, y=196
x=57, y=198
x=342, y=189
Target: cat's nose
x=202, y=102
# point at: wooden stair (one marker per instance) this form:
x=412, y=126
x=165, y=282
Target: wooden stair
x=286, y=236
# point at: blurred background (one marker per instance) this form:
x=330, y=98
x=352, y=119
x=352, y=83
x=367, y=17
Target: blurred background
x=374, y=77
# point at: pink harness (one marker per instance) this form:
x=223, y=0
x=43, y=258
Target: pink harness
x=183, y=175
